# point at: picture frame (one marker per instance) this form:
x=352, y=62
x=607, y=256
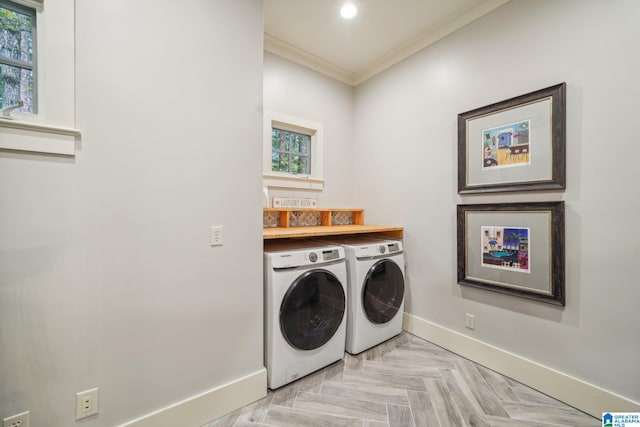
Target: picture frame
x=514, y=145
x=513, y=248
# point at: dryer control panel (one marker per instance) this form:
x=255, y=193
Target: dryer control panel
x=382, y=248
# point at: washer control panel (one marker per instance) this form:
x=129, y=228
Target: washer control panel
x=394, y=247
x=331, y=254
x=281, y=259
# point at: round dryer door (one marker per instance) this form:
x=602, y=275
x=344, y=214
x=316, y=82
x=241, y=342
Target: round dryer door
x=383, y=291
x=312, y=309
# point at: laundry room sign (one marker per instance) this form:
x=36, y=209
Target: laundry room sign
x=294, y=202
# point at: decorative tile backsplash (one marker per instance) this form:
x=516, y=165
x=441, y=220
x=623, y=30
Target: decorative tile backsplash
x=304, y=218
x=287, y=217
x=341, y=218
x=270, y=219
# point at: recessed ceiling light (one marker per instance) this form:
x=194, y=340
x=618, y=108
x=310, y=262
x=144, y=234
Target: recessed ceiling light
x=348, y=11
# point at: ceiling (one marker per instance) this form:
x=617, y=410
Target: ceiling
x=384, y=32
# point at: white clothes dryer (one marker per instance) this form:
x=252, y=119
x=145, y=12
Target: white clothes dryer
x=376, y=288
x=305, y=309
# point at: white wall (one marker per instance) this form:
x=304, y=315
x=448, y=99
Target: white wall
x=107, y=278
x=298, y=91
x=405, y=125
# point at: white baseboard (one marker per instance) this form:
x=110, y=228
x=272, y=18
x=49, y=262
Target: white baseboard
x=209, y=405
x=574, y=392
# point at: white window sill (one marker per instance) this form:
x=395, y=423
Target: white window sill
x=29, y=136
x=296, y=182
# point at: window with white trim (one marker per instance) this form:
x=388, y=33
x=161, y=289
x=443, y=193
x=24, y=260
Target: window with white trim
x=292, y=152
x=47, y=125
x=18, y=56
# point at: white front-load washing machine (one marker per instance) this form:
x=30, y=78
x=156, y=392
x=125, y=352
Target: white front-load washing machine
x=375, y=295
x=305, y=309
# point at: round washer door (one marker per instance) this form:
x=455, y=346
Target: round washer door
x=383, y=291
x=312, y=309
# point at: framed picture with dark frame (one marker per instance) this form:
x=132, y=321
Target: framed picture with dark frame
x=513, y=248
x=514, y=145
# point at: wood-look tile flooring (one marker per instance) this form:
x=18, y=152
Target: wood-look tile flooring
x=410, y=382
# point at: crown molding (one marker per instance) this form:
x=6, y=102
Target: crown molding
x=421, y=41
x=302, y=57
x=425, y=39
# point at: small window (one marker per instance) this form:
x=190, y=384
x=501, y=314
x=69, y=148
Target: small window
x=292, y=152
x=17, y=56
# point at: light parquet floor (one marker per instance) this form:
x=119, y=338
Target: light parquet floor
x=405, y=382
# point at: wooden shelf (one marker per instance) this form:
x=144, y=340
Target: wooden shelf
x=331, y=223
x=326, y=215
x=334, y=230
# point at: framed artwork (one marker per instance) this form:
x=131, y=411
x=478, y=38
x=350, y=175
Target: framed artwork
x=514, y=145
x=513, y=248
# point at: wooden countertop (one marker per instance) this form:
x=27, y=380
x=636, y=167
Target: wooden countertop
x=334, y=230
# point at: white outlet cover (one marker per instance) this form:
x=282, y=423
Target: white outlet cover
x=18, y=420
x=470, y=321
x=216, y=235
x=87, y=403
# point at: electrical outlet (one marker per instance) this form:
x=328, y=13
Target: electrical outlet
x=216, y=235
x=19, y=420
x=470, y=321
x=86, y=403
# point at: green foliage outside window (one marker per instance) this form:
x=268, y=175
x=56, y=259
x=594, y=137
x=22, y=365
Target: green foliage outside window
x=290, y=152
